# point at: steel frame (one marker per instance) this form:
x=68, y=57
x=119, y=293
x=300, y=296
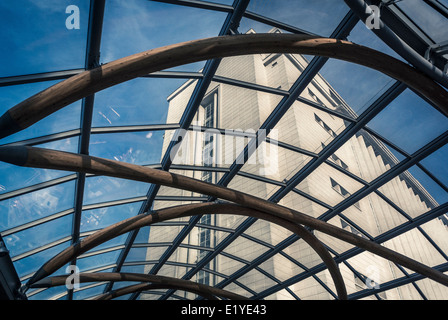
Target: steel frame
x=410, y=160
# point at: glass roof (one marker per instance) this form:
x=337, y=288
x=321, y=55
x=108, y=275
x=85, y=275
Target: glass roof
x=345, y=144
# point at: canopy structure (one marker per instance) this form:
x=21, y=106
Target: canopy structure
x=224, y=150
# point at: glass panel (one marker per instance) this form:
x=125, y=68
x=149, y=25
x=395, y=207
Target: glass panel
x=162, y=234
x=101, y=189
x=145, y=254
x=68, y=118
x=96, y=261
x=47, y=294
x=252, y=187
x=245, y=249
x=142, y=235
x=303, y=254
x=269, y=233
x=90, y=292
x=135, y=102
x=414, y=192
x=436, y=229
x=356, y=86
x=140, y=148
x=37, y=236
x=133, y=269
x=428, y=191
x=307, y=128
x=329, y=185
x=103, y=217
x=363, y=36
x=227, y=266
x=320, y=17
x=303, y=290
x=375, y=217
x=426, y=18
x=15, y=177
x=233, y=287
x=415, y=246
x=31, y=264
x=432, y=290
x=365, y=156
x=435, y=163
x=35, y=205
x=114, y=242
x=334, y=244
x=302, y=204
x=40, y=36
x=271, y=161
x=256, y=281
x=277, y=71
x=281, y=267
x=135, y=26
x=409, y=122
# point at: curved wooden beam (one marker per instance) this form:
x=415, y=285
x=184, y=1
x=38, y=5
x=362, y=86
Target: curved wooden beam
x=58, y=160
x=145, y=286
x=86, y=83
x=161, y=281
x=140, y=221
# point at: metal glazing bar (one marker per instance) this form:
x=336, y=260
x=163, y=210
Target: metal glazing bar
x=92, y=60
x=374, y=109
x=343, y=29
x=397, y=44
x=38, y=77
x=231, y=23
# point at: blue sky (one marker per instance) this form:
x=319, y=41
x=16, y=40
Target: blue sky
x=35, y=39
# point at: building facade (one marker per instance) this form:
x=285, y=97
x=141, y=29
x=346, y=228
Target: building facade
x=227, y=119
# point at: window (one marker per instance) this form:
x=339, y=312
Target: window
x=315, y=98
x=342, y=191
x=324, y=125
x=336, y=159
x=208, y=146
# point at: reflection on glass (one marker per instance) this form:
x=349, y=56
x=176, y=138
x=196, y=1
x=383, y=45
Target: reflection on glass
x=103, y=217
x=15, y=177
x=357, y=85
x=135, y=26
x=97, y=261
x=319, y=16
x=35, y=205
x=101, y=189
x=31, y=264
x=140, y=148
x=89, y=292
x=434, y=163
x=135, y=102
x=432, y=22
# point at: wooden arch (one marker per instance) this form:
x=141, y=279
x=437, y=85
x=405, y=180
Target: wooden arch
x=59, y=160
x=150, y=281
x=140, y=221
x=88, y=82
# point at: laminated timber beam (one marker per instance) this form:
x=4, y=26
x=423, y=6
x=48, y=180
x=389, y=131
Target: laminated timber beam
x=175, y=212
x=150, y=282
x=58, y=160
x=88, y=82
